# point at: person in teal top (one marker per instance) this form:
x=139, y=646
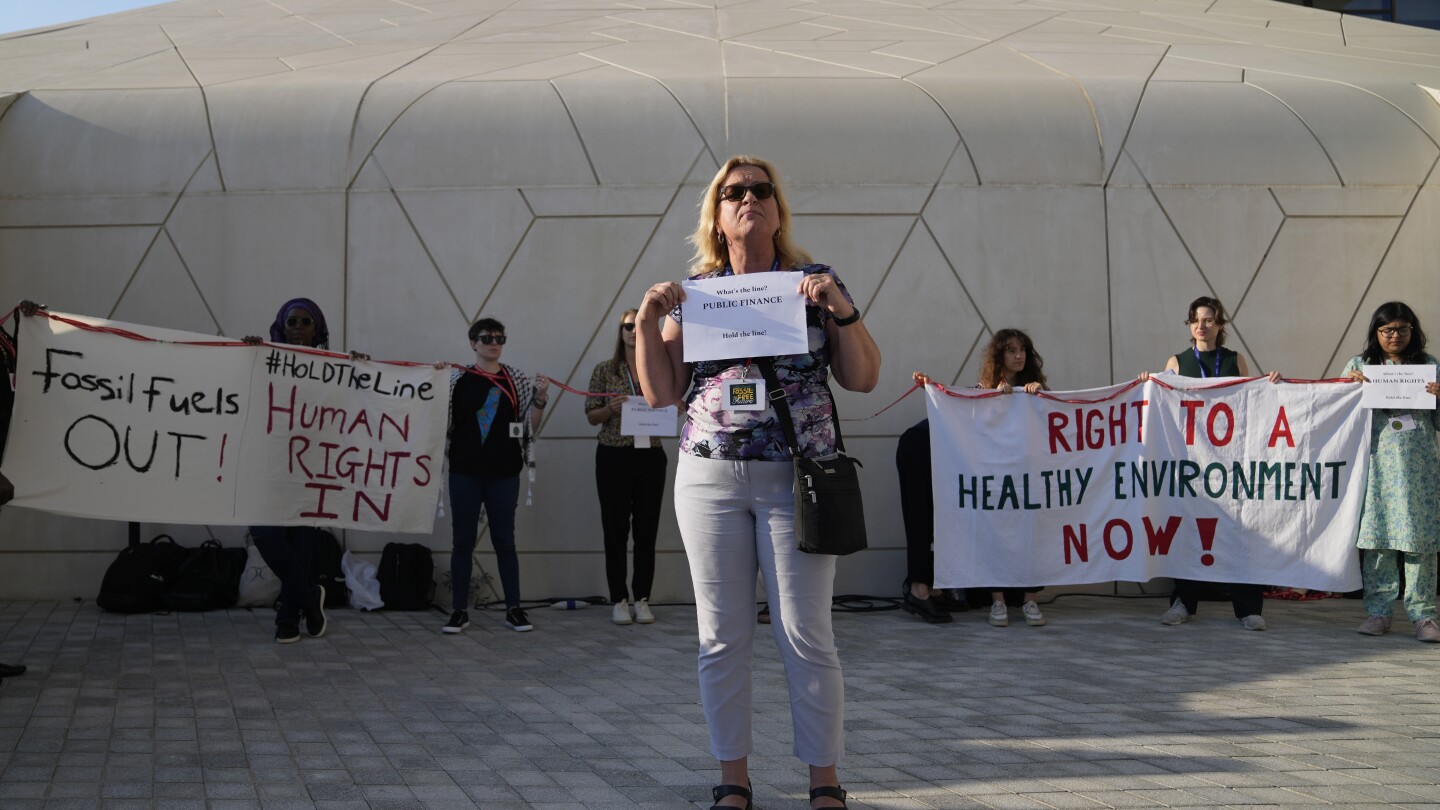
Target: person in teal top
x=1400, y=522
x=1208, y=357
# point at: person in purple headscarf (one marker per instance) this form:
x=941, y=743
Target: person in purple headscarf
x=290, y=550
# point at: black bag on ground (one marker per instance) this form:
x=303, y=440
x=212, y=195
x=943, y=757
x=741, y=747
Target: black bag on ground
x=136, y=579
x=829, y=516
x=208, y=579
x=328, y=573
x=406, y=576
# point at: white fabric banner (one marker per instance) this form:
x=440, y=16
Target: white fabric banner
x=161, y=430
x=1215, y=480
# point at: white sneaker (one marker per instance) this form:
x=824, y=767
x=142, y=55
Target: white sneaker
x=1253, y=622
x=1177, y=614
x=999, y=615
x=1033, y=616
x=620, y=614
x=642, y=612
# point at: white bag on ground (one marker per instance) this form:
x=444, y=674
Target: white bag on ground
x=364, y=587
x=259, y=587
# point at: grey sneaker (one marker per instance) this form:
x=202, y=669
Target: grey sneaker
x=620, y=614
x=1033, y=616
x=1253, y=622
x=642, y=612
x=1374, y=626
x=999, y=615
x=1177, y=614
x=287, y=633
x=1426, y=630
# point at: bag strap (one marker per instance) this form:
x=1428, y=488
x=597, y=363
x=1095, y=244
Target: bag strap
x=778, y=401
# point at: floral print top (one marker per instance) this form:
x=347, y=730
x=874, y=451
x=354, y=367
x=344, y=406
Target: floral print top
x=611, y=377
x=1402, y=495
x=711, y=431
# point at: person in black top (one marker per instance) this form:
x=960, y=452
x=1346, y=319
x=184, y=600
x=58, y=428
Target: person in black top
x=1208, y=357
x=290, y=550
x=494, y=412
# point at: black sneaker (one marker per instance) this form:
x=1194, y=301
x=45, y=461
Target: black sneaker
x=515, y=618
x=925, y=609
x=287, y=633
x=459, y=620
x=315, y=614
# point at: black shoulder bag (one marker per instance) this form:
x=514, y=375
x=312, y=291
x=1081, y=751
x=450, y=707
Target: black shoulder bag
x=829, y=518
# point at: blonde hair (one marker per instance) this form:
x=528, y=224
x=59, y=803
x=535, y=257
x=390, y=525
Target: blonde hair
x=710, y=252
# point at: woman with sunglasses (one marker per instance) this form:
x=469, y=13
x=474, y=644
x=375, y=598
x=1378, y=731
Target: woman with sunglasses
x=1400, y=522
x=1208, y=357
x=290, y=550
x=494, y=412
x=630, y=480
x=733, y=497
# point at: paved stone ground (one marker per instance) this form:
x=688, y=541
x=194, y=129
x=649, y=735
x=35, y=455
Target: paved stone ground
x=1102, y=708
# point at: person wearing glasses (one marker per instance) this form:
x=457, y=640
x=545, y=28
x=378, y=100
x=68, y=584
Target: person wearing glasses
x=733, y=480
x=290, y=550
x=630, y=480
x=1208, y=357
x=495, y=410
x=1400, y=521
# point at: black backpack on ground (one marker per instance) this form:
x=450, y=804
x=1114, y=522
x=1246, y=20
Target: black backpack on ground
x=135, y=581
x=208, y=579
x=327, y=569
x=406, y=576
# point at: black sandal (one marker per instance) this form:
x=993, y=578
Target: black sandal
x=721, y=791
x=830, y=791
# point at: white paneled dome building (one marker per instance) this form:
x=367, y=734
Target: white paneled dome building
x=1078, y=169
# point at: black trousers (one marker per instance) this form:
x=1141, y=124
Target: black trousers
x=631, y=484
x=917, y=505
x=1248, y=600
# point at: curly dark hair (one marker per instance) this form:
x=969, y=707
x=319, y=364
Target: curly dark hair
x=993, y=369
x=1375, y=354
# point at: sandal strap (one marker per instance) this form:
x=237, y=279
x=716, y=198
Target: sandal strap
x=721, y=791
x=828, y=791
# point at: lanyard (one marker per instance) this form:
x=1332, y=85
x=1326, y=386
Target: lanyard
x=630, y=378
x=1201, y=363
x=501, y=380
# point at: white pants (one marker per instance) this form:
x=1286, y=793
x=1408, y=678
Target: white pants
x=735, y=517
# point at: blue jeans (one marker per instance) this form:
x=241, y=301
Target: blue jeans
x=290, y=553
x=499, y=496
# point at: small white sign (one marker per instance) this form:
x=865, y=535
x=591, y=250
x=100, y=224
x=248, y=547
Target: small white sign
x=1398, y=387
x=749, y=315
x=642, y=421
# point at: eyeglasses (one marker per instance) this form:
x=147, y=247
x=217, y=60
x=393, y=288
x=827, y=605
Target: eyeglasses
x=1394, y=331
x=628, y=327
x=736, y=193
x=302, y=321
x=498, y=340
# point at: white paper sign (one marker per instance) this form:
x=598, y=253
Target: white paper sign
x=641, y=421
x=109, y=426
x=1398, y=387
x=1173, y=478
x=749, y=315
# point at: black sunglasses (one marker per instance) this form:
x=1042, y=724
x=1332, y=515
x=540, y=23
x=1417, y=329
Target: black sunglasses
x=301, y=321
x=489, y=339
x=628, y=327
x=735, y=193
